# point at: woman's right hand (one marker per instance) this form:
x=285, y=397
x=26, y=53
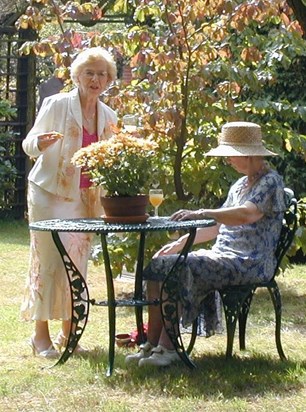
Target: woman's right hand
x=47, y=139
x=171, y=248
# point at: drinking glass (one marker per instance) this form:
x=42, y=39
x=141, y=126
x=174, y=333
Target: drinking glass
x=156, y=197
x=130, y=122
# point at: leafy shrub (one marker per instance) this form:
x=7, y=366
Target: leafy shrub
x=8, y=171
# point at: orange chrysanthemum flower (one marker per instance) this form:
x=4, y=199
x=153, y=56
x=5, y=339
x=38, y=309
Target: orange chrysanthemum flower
x=122, y=165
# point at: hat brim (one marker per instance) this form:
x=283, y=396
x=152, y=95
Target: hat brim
x=227, y=150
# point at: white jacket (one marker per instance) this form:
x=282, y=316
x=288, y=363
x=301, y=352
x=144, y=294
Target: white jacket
x=62, y=113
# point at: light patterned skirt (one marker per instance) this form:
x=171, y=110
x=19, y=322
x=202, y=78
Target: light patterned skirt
x=47, y=293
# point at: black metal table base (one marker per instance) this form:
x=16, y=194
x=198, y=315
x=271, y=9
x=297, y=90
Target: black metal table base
x=169, y=304
x=80, y=300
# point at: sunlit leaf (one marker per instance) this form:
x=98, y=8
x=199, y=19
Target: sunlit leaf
x=120, y=6
x=288, y=145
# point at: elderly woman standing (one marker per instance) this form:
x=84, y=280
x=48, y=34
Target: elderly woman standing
x=247, y=231
x=57, y=189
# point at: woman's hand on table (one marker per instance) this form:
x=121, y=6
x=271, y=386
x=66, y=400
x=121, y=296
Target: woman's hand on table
x=47, y=139
x=185, y=214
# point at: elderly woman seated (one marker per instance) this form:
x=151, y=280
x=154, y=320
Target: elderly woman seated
x=247, y=231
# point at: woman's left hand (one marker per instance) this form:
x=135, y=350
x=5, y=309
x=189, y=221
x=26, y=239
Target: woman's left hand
x=185, y=214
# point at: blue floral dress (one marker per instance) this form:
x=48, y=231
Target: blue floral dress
x=241, y=254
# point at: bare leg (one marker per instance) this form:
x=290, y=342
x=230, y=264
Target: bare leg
x=164, y=340
x=66, y=324
x=155, y=323
x=62, y=338
x=157, y=334
x=41, y=338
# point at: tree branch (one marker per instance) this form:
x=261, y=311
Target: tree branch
x=299, y=10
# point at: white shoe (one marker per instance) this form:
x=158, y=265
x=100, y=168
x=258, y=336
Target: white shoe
x=49, y=353
x=144, y=352
x=160, y=357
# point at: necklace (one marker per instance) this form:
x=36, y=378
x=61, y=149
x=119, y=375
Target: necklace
x=92, y=115
x=89, y=119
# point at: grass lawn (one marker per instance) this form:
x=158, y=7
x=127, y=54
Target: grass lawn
x=254, y=380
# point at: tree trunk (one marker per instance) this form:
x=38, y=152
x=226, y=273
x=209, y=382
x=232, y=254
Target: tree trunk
x=299, y=10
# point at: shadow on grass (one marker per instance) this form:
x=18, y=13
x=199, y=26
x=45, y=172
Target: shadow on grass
x=236, y=377
x=289, y=295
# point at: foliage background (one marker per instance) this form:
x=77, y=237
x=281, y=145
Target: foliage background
x=8, y=171
x=195, y=65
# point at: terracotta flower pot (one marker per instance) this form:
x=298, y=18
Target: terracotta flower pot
x=125, y=209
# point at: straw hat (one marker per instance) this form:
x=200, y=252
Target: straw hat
x=240, y=139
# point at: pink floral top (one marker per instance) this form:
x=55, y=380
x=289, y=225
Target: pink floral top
x=87, y=140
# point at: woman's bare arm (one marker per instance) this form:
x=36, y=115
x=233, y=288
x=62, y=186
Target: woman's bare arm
x=232, y=216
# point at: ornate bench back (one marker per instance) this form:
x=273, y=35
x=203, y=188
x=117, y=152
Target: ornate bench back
x=288, y=228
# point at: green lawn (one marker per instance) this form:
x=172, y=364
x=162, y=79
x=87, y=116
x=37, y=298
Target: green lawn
x=255, y=380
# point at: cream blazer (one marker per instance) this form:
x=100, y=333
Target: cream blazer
x=62, y=113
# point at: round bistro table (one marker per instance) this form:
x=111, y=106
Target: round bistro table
x=80, y=300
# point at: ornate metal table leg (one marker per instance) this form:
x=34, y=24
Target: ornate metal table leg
x=111, y=305
x=169, y=302
x=138, y=288
x=79, y=300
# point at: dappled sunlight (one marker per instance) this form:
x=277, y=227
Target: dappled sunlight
x=252, y=380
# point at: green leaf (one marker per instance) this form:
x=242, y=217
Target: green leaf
x=121, y=6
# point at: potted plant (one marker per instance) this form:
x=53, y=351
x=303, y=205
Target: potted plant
x=123, y=166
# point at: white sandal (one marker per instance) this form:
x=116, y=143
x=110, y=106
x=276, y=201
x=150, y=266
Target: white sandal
x=50, y=353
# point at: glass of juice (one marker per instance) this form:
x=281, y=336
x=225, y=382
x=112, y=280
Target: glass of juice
x=156, y=197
